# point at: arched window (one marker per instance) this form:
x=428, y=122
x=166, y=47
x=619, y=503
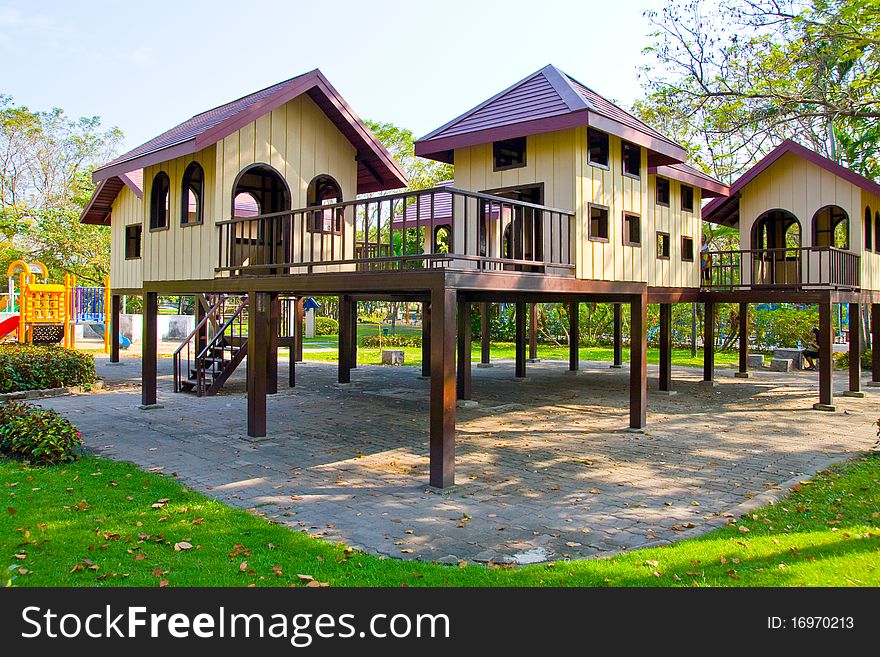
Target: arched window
x=877, y=231
x=323, y=190
x=159, y=201
x=776, y=229
x=831, y=227
x=192, y=192
x=441, y=238
x=869, y=229
x=245, y=205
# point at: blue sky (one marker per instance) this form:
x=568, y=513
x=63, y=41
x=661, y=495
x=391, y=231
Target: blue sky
x=146, y=66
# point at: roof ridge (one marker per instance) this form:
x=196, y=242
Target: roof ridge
x=253, y=93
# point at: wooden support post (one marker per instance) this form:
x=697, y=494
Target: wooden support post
x=574, y=336
x=826, y=361
x=114, y=327
x=485, y=335
x=442, y=445
x=709, y=342
x=344, y=338
x=258, y=349
x=875, y=345
x=291, y=370
x=426, y=338
x=520, y=339
x=618, y=338
x=666, y=347
x=202, y=334
x=300, y=326
x=149, y=350
x=855, y=351
x=533, y=333
x=638, y=362
x=353, y=362
x=274, y=319
x=463, y=373
x=743, y=372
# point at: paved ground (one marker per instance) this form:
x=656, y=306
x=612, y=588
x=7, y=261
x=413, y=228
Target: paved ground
x=545, y=470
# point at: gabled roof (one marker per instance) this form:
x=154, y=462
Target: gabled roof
x=545, y=101
x=691, y=176
x=377, y=169
x=98, y=209
x=726, y=210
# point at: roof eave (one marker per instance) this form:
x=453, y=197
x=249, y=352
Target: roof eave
x=709, y=186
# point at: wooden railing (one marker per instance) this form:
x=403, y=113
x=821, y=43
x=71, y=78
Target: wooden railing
x=437, y=227
x=791, y=267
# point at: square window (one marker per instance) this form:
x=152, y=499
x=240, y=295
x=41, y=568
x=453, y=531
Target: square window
x=510, y=153
x=133, y=241
x=664, y=246
x=687, y=198
x=662, y=191
x=632, y=159
x=632, y=229
x=597, y=144
x=687, y=249
x=598, y=223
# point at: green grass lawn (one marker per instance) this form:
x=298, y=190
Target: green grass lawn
x=103, y=523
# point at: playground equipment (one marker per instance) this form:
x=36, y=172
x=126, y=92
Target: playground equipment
x=39, y=312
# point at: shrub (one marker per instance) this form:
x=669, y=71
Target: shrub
x=35, y=434
x=326, y=326
x=35, y=367
x=842, y=359
x=397, y=340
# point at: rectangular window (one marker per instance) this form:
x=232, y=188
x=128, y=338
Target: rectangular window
x=687, y=249
x=663, y=245
x=598, y=223
x=509, y=154
x=687, y=198
x=662, y=191
x=632, y=159
x=597, y=143
x=133, y=236
x=632, y=229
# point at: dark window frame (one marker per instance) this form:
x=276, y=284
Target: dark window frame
x=185, y=186
x=828, y=233
x=624, y=147
x=161, y=177
x=591, y=132
x=627, y=233
x=521, y=142
x=598, y=238
x=869, y=229
x=139, y=229
x=687, y=207
x=877, y=231
x=687, y=244
x=668, y=241
x=668, y=185
x=314, y=198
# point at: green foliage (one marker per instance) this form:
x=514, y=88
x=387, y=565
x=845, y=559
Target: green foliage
x=37, y=435
x=421, y=173
x=36, y=367
x=326, y=326
x=782, y=326
x=395, y=340
x=841, y=358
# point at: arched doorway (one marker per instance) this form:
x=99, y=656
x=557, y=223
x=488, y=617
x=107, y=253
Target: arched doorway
x=831, y=227
x=776, y=242
x=260, y=190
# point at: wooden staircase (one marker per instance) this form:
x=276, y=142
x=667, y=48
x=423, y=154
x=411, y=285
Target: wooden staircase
x=209, y=355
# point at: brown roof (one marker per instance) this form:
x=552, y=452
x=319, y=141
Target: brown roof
x=726, y=210
x=377, y=169
x=99, y=206
x=545, y=101
x=690, y=176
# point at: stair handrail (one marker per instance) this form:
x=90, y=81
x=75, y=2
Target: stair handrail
x=188, y=339
x=212, y=344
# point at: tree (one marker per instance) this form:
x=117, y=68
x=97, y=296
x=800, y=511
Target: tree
x=422, y=173
x=46, y=160
x=732, y=78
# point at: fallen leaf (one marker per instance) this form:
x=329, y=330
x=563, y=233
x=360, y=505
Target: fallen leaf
x=198, y=521
x=11, y=510
x=163, y=583
x=305, y=578
x=652, y=563
x=743, y=529
x=242, y=566
x=407, y=551
x=20, y=555
x=140, y=556
x=594, y=491
x=315, y=584
x=77, y=567
x=183, y=545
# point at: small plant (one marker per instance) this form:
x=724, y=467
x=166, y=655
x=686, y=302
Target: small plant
x=8, y=576
x=326, y=326
x=38, y=435
x=399, y=340
x=36, y=367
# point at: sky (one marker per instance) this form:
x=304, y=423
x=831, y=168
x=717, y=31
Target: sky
x=146, y=66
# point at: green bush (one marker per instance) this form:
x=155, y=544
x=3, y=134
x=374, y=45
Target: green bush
x=326, y=326
x=398, y=340
x=36, y=367
x=35, y=434
x=842, y=359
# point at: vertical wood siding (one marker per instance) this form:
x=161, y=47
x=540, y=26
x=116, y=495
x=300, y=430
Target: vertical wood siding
x=127, y=209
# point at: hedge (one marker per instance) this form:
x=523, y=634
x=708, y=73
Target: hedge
x=326, y=326
x=33, y=367
x=37, y=435
x=397, y=340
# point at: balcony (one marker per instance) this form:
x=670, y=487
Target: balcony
x=797, y=268
x=438, y=227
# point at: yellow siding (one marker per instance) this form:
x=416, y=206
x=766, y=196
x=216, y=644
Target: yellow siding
x=127, y=209
x=870, y=259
